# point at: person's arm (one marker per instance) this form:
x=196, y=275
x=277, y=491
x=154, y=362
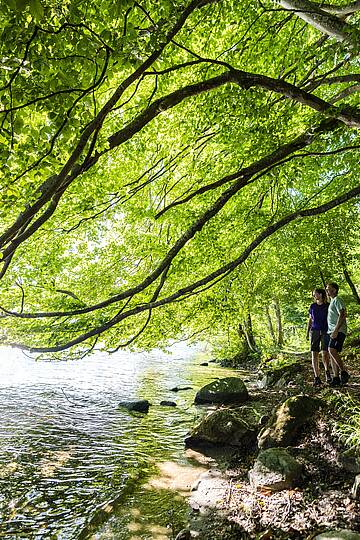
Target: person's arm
x=339, y=322
x=308, y=327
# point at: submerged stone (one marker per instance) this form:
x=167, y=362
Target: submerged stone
x=227, y=390
x=168, y=403
x=179, y=388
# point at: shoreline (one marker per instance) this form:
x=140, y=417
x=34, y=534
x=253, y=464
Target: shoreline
x=224, y=505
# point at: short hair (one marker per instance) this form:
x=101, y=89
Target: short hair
x=334, y=285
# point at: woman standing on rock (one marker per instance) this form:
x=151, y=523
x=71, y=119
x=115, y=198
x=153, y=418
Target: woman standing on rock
x=317, y=329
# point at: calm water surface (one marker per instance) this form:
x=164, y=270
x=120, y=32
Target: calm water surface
x=67, y=450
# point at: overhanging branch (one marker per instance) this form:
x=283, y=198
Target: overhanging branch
x=184, y=292
x=241, y=179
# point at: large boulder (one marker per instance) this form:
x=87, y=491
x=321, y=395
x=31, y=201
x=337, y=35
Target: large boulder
x=284, y=426
x=225, y=427
x=275, y=469
x=279, y=376
x=227, y=390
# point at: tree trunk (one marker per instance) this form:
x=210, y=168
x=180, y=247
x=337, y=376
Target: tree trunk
x=245, y=333
x=249, y=334
x=280, y=334
x=243, y=339
x=349, y=281
x=322, y=277
x=270, y=324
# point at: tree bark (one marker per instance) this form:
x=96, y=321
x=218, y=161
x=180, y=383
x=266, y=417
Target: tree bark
x=322, y=20
x=280, y=333
x=322, y=277
x=349, y=281
x=249, y=334
x=270, y=324
x=342, y=11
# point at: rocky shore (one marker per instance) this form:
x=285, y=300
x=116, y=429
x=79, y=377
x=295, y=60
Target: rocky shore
x=276, y=467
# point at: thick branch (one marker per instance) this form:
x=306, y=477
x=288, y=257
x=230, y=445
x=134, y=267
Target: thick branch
x=342, y=11
x=322, y=20
x=244, y=79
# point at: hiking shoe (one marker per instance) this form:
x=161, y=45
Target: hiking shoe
x=335, y=382
x=328, y=377
x=317, y=381
x=344, y=377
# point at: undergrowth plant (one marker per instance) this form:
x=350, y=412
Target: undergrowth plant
x=347, y=426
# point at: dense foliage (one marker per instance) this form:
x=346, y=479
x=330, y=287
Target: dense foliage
x=173, y=170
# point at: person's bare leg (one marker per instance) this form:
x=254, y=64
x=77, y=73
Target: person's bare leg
x=326, y=363
x=336, y=362
x=315, y=363
x=325, y=360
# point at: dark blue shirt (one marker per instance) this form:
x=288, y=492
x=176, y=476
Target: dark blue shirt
x=318, y=314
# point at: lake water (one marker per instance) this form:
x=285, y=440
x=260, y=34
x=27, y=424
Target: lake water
x=72, y=463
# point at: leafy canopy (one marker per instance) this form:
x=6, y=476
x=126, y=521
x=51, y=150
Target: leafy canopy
x=169, y=168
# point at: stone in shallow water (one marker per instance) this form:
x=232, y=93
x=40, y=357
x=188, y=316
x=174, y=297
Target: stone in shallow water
x=179, y=388
x=227, y=390
x=166, y=403
x=141, y=405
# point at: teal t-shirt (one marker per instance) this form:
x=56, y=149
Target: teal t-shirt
x=336, y=305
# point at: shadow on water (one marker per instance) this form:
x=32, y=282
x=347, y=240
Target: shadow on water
x=72, y=463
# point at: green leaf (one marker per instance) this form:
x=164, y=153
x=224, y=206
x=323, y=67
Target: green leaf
x=36, y=10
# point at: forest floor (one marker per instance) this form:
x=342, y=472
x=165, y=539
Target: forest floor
x=226, y=507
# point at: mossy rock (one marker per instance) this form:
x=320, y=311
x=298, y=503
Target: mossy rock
x=284, y=426
x=279, y=376
x=225, y=427
x=275, y=469
x=227, y=390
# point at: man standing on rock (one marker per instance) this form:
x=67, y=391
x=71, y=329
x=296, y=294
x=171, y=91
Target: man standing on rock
x=337, y=329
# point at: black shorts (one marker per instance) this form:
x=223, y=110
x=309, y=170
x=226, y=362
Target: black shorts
x=317, y=337
x=338, y=342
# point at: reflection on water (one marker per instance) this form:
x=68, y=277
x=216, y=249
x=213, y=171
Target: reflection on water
x=67, y=452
